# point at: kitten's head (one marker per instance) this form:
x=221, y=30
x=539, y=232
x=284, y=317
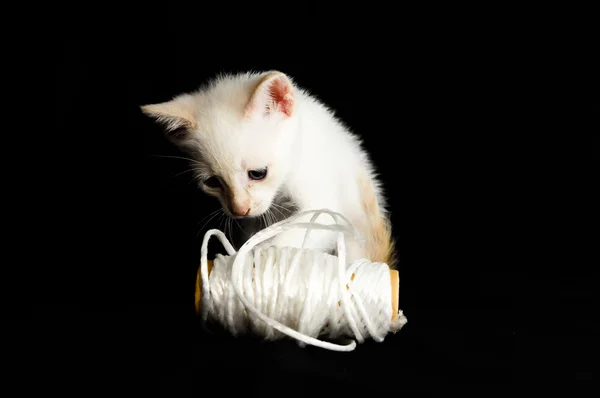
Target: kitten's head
x=240, y=129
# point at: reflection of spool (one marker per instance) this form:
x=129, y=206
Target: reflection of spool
x=394, y=281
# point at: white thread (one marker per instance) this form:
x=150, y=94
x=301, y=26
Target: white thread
x=304, y=294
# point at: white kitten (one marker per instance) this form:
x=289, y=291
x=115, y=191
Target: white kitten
x=260, y=141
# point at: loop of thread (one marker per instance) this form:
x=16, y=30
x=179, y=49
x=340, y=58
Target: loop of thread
x=304, y=294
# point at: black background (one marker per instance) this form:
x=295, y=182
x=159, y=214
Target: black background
x=455, y=141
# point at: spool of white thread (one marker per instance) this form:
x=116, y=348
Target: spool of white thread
x=304, y=294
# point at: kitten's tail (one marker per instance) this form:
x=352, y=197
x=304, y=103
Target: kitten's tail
x=380, y=244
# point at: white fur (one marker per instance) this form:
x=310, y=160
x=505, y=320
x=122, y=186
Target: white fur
x=313, y=157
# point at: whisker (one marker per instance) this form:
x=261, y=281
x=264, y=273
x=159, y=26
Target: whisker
x=280, y=212
x=187, y=171
x=177, y=157
x=280, y=206
x=211, y=213
x=285, y=209
x=219, y=220
x=270, y=216
x=214, y=214
x=227, y=220
x=240, y=225
x=231, y=229
x=273, y=216
x=196, y=178
x=223, y=220
x=262, y=219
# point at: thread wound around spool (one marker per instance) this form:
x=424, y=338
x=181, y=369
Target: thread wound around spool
x=255, y=289
x=394, y=282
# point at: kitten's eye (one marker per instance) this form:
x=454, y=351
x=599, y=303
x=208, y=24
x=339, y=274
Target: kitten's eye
x=258, y=174
x=213, y=182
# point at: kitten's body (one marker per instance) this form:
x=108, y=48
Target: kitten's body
x=238, y=125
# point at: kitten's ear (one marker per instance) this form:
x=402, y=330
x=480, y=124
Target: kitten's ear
x=274, y=94
x=178, y=115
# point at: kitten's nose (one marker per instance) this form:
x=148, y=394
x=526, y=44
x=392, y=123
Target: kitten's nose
x=240, y=211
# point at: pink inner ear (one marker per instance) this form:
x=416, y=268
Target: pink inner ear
x=282, y=96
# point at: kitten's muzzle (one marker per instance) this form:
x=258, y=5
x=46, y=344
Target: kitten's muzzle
x=240, y=211
x=239, y=203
